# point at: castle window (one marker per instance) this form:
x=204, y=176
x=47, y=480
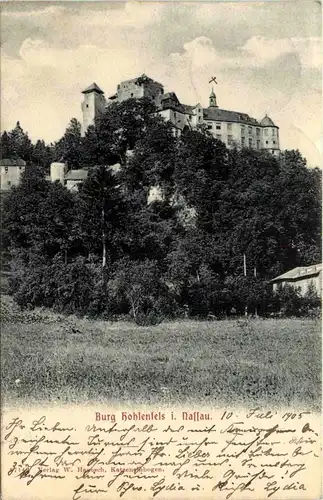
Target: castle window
x=209, y=127
x=131, y=95
x=9, y=183
x=266, y=131
x=230, y=140
x=242, y=130
x=266, y=142
x=218, y=126
x=258, y=132
x=87, y=105
x=6, y=169
x=274, y=132
x=258, y=144
x=229, y=125
x=249, y=130
x=274, y=142
x=250, y=143
x=219, y=137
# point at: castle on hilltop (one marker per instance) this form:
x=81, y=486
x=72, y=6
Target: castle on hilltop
x=233, y=128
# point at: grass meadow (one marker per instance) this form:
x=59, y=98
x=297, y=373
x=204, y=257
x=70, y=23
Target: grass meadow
x=51, y=358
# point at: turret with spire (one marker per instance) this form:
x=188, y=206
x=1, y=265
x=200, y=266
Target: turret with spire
x=213, y=103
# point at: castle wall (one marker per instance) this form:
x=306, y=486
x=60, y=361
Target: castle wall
x=132, y=89
x=129, y=90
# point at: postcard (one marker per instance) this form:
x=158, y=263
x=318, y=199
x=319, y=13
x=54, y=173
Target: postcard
x=161, y=268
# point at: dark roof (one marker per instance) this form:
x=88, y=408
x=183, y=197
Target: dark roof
x=299, y=273
x=188, y=110
x=12, y=162
x=225, y=115
x=169, y=95
x=93, y=88
x=267, y=122
x=76, y=175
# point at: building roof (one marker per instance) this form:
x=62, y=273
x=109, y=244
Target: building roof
x=76, y=175
x=93, y=88
x=299, y=273
x=217, y=114
x=12, y=162
x=188, y=110
x=267, y=122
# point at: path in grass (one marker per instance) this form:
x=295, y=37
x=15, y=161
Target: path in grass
x=271, y=362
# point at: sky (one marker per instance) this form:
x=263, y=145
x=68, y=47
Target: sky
x=266, y=57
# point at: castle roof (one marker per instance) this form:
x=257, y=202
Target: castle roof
x=217, y=114
x=93, y=88
x=267, y=122
x=12, y=162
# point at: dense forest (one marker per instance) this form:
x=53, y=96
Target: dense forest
x=111, y=250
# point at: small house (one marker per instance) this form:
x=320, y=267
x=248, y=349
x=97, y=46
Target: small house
x=10, y=172
x=301, y=278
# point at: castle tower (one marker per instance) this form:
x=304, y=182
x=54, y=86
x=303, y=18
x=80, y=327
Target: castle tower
x=213, y=103
x=93, y=103
x=270, y=133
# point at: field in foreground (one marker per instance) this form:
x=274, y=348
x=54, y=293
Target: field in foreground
x=49, y=358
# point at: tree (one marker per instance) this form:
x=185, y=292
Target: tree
x=42, y=222
x=16, y=144
x=140, y=285
x=100, y=215
x=117, y=131
x=42, y=155
x=69, y=148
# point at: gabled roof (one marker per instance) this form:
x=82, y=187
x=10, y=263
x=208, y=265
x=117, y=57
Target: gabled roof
x=169, y=95
x=299, y=273
x=93, y=88
x=267, y=122
x=217, y=114
x=76, y=175
x=12, y=162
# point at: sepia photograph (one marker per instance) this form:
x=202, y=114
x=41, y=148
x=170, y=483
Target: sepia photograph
x=161, y=249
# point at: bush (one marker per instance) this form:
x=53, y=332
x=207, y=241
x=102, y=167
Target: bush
x=290, y=302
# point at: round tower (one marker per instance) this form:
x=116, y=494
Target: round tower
x=93, y=103
x=270, y=136
x=58, y=171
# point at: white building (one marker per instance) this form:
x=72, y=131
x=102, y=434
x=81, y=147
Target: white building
x=301, y=278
